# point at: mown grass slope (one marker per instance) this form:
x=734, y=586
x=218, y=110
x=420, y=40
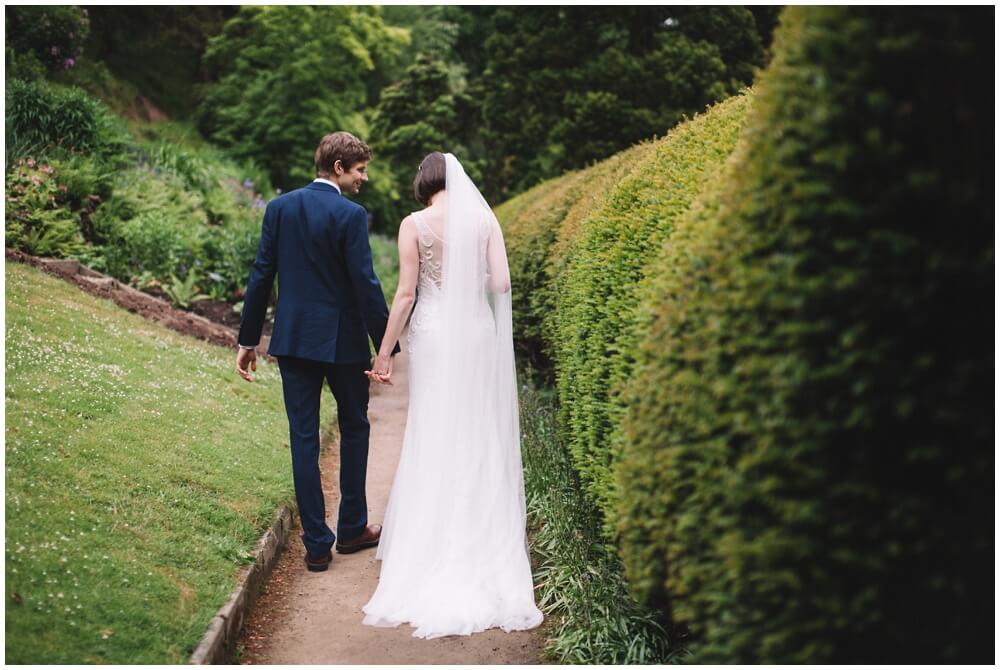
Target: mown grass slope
x=140, y=472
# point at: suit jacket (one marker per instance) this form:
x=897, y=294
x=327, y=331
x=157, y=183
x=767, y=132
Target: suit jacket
x=330, y=302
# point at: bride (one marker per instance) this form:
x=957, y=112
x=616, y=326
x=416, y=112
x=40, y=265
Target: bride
x=453, y=547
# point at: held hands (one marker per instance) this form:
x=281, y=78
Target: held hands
x=244, y=357
x=381, y=371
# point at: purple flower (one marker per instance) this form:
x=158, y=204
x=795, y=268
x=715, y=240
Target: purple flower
x=197, y=263
x=259, y=204
x=68, y=63
x=248, y=183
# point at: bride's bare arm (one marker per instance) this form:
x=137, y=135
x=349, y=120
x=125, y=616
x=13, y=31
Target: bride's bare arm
x=402, y=302
x=496, y=259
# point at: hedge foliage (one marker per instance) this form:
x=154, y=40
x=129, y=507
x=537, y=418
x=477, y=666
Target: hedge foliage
x=808, y=468
x=769, y=333
x=541, y=227
x=578, y=247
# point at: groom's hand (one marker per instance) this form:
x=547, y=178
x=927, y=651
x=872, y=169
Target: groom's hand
x=243, y=358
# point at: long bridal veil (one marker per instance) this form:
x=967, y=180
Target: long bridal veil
x=454, y=551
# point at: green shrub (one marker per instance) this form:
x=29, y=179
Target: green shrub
x=24, y=66
x=596, y=308
x=97, y=80
x=540, y=228
x=151, y=224
x=41, y=118
x=808, y=466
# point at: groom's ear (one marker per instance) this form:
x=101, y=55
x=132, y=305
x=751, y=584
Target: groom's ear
x=338, y=167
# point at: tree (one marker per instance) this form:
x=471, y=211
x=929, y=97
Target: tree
x=287, y=75
x=564, y=86
x=426, y=111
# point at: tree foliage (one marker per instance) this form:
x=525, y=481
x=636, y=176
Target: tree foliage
x=427, y=110
x=286, y=76
x=564, y=86
x=156, y=49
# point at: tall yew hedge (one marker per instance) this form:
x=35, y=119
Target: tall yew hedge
x=596, y=314
x=808, y=456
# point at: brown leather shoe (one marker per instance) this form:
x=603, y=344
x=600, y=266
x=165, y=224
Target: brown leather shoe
x=368, y=538
x=319, y=564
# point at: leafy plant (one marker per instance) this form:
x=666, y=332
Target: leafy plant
x=38, y=114
x=38, y=220
x=580, y=585
x=184, y=292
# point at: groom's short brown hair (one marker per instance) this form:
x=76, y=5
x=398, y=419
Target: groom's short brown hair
x=343, y=147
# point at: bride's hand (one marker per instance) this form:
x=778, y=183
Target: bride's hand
x=381, y=371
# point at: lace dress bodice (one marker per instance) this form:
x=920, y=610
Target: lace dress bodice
x=431, y=251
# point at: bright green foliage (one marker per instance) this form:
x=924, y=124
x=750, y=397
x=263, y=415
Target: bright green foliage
x=140, y=472
x=287, y=76
x=541, y=227
x=808, y=467
x=151, y=224
x=183, y=292
x=80, y=185
x=596, y=307
x=530, y=223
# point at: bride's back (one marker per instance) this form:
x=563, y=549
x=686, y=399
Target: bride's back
x=431, y=224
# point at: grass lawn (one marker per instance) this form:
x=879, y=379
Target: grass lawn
x=140, y=472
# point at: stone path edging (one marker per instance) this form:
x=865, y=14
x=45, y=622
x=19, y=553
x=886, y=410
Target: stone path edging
x=223, y=632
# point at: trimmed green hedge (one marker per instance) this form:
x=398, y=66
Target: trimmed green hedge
x=531, y=223
x=808, y=468
x=596, y=316
x=541, y=228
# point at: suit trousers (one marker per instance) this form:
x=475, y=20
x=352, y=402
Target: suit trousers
x=302, y=385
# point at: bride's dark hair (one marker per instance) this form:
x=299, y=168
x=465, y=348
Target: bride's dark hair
x=430, y=177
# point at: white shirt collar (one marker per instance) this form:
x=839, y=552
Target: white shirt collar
x=327, y=181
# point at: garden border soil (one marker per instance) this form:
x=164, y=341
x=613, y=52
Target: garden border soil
x=147, y=306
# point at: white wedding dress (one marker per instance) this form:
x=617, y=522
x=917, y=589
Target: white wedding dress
x=453, y=548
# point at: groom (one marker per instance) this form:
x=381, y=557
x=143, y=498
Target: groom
x=315, y=241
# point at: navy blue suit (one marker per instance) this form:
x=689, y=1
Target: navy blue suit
x=329, y=303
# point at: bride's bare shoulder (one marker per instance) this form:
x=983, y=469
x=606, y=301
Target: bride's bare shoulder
x=408, y=227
